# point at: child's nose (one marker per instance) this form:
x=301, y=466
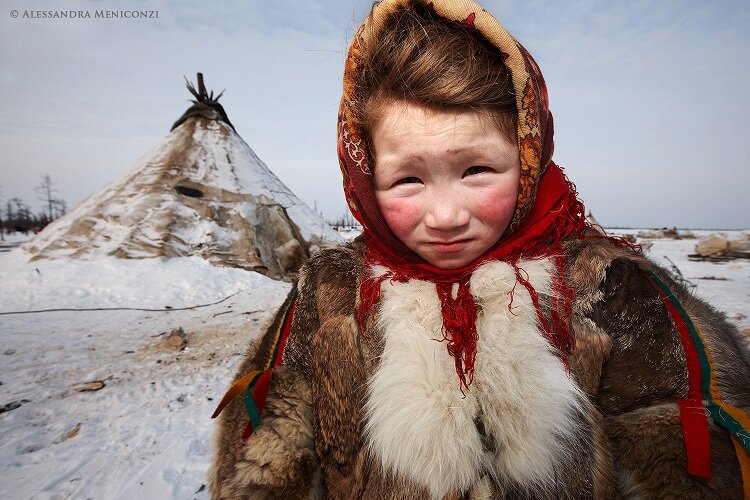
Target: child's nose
x=446, y=212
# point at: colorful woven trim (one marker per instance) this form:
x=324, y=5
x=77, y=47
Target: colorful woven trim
x=703, y=396
x=254, y=385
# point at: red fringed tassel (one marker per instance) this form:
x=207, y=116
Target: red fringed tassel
x=369, y=295
x=459, y=315
x=460, y=327
x=558, y=331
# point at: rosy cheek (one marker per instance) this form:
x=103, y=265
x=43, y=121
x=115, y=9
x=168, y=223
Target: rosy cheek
x=400, y=215
x=496, y=206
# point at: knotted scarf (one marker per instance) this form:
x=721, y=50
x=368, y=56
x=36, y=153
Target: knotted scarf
x=547, y=210
x=557, y=214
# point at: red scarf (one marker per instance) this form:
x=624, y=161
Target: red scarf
x=557, y=214
x=547, y=210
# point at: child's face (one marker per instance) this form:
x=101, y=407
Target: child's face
x=446, y=181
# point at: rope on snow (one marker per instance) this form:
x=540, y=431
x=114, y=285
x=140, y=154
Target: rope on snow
x=166, y=309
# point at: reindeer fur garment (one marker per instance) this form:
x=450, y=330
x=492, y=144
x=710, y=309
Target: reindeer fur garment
x=380, y=415
x=419, y=424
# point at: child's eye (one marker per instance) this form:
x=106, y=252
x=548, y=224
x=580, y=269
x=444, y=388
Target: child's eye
x=477, y=169
x=407, y=180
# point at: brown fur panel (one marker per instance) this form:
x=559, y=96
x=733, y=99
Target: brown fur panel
x=647, y=363
x=586, y=267
x=589, y=473
x=338, y=390
x=592, y=349
x=233, y=419
x=650, y=457
x=327, y=288
x=372, y=347
x=278, y=460
x=603, y=470
x=305, y=322
x=645, y=371
x=381, y=486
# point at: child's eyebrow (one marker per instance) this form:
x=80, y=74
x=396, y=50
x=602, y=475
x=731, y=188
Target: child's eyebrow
x=486, y=150
x=393, y=166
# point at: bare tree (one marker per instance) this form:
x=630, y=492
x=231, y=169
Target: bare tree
x=61, y=208
x=21, y=217
x=2, y=232
x=9, y=212
x=45, y=189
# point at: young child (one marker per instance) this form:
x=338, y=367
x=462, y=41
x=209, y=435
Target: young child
x=479, y=340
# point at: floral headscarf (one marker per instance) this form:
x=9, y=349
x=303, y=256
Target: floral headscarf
x=547, y=210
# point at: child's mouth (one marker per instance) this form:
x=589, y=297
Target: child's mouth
x=449, y=246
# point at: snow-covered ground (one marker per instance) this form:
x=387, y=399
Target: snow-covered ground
x=147, y=433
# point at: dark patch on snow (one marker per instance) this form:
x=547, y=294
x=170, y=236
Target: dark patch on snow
x=13, y=405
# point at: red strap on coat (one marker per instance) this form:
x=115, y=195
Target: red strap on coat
x=692, y=410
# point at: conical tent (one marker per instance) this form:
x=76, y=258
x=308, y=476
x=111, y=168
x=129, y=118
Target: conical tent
x=202, y=191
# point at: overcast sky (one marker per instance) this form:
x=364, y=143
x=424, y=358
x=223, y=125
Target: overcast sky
x=650, y=98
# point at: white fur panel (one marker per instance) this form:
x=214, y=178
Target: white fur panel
x=417, y=422
x=529, y=403
x=420, y=425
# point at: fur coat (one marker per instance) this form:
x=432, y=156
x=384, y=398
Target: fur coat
x=381, y=415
